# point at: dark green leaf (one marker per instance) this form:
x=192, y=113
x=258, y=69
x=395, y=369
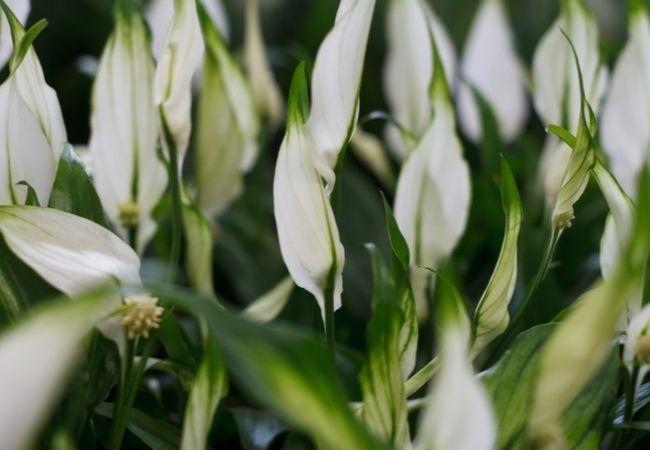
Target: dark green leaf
x=73, y=191
x=32, y=198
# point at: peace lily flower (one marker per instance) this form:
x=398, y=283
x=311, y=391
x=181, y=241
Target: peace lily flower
x=21, y=10
x=556, y=85
x=75, y=255
x=433, y=192
x=228, y=126
x=626, y=111
x=31, y=121
x=36, y=358
x=335, y=83
x=409, y=67
x=458, y=415
x=309, y=238
x=128, y=175
x=491, y=66
x=265, y=90
x=173, y=77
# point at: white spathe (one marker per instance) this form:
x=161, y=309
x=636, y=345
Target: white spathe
x=173, y=78
x=336, y=79
x=409, y=67
x=433, y=196
x=36, y=358
x=125, y=128
x=71, y=253
x=307, y=231
x=490, y=64
x=556, y=89
x=624, y=130
x=266, y=92
x=25, y=153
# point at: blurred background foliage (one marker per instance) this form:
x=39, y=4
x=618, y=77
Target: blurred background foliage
x=247, y=258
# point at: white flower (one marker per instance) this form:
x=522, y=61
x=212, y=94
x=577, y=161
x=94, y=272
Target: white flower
x=129, y=177
x=556, y=87
x=309, y=239
x=265, y=90
x=336, y=79
x=433, y=193
x=490, y=65
x=25, y=154
x=409, y=67
x=173, y=78
x=458, y=415
x=624, y=125
x=228, y=127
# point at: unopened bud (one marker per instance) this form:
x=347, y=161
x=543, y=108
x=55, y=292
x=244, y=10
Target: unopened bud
x=129, y=214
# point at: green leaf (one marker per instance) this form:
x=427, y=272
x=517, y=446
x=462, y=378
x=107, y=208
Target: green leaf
x=564, y=134
x=157, y=434
x=491, y=317
x=509, y=383
x=403, y=292
x=198, y=251
x=209, y=387
x=283, y=368
x=384, y=398
x=257, y=429
x=73, y=191
x=32, y=198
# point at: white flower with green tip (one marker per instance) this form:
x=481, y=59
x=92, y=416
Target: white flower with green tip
x=129, y=177
x=491, y=65
x=21, y=9
x=556, y=89
x=335, y=83
x=173, y=78
x=624, y=130
x=433, y=193
x=409, y=67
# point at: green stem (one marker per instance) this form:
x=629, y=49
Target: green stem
x=128, y=390
x=542, y=271
x=120, y=409
x=329, y=320
x=630, y=394
x=421, y=377
x=177, y=206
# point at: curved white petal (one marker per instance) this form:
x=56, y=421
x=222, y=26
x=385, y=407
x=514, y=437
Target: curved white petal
x=159, y=15
x=25, y=154
x=553, y=163
x=309, y=239
x=408, y=68
x=433, y=193
x=490, y=64
x=124, y=128
x=265, y=90
x=21, y=9
x=458, y=415
x=36, y=357
x=173, y=77
x=69, y=252
x=555, y=79
x=624, y=130
x=336, y=78
x=218, y=147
